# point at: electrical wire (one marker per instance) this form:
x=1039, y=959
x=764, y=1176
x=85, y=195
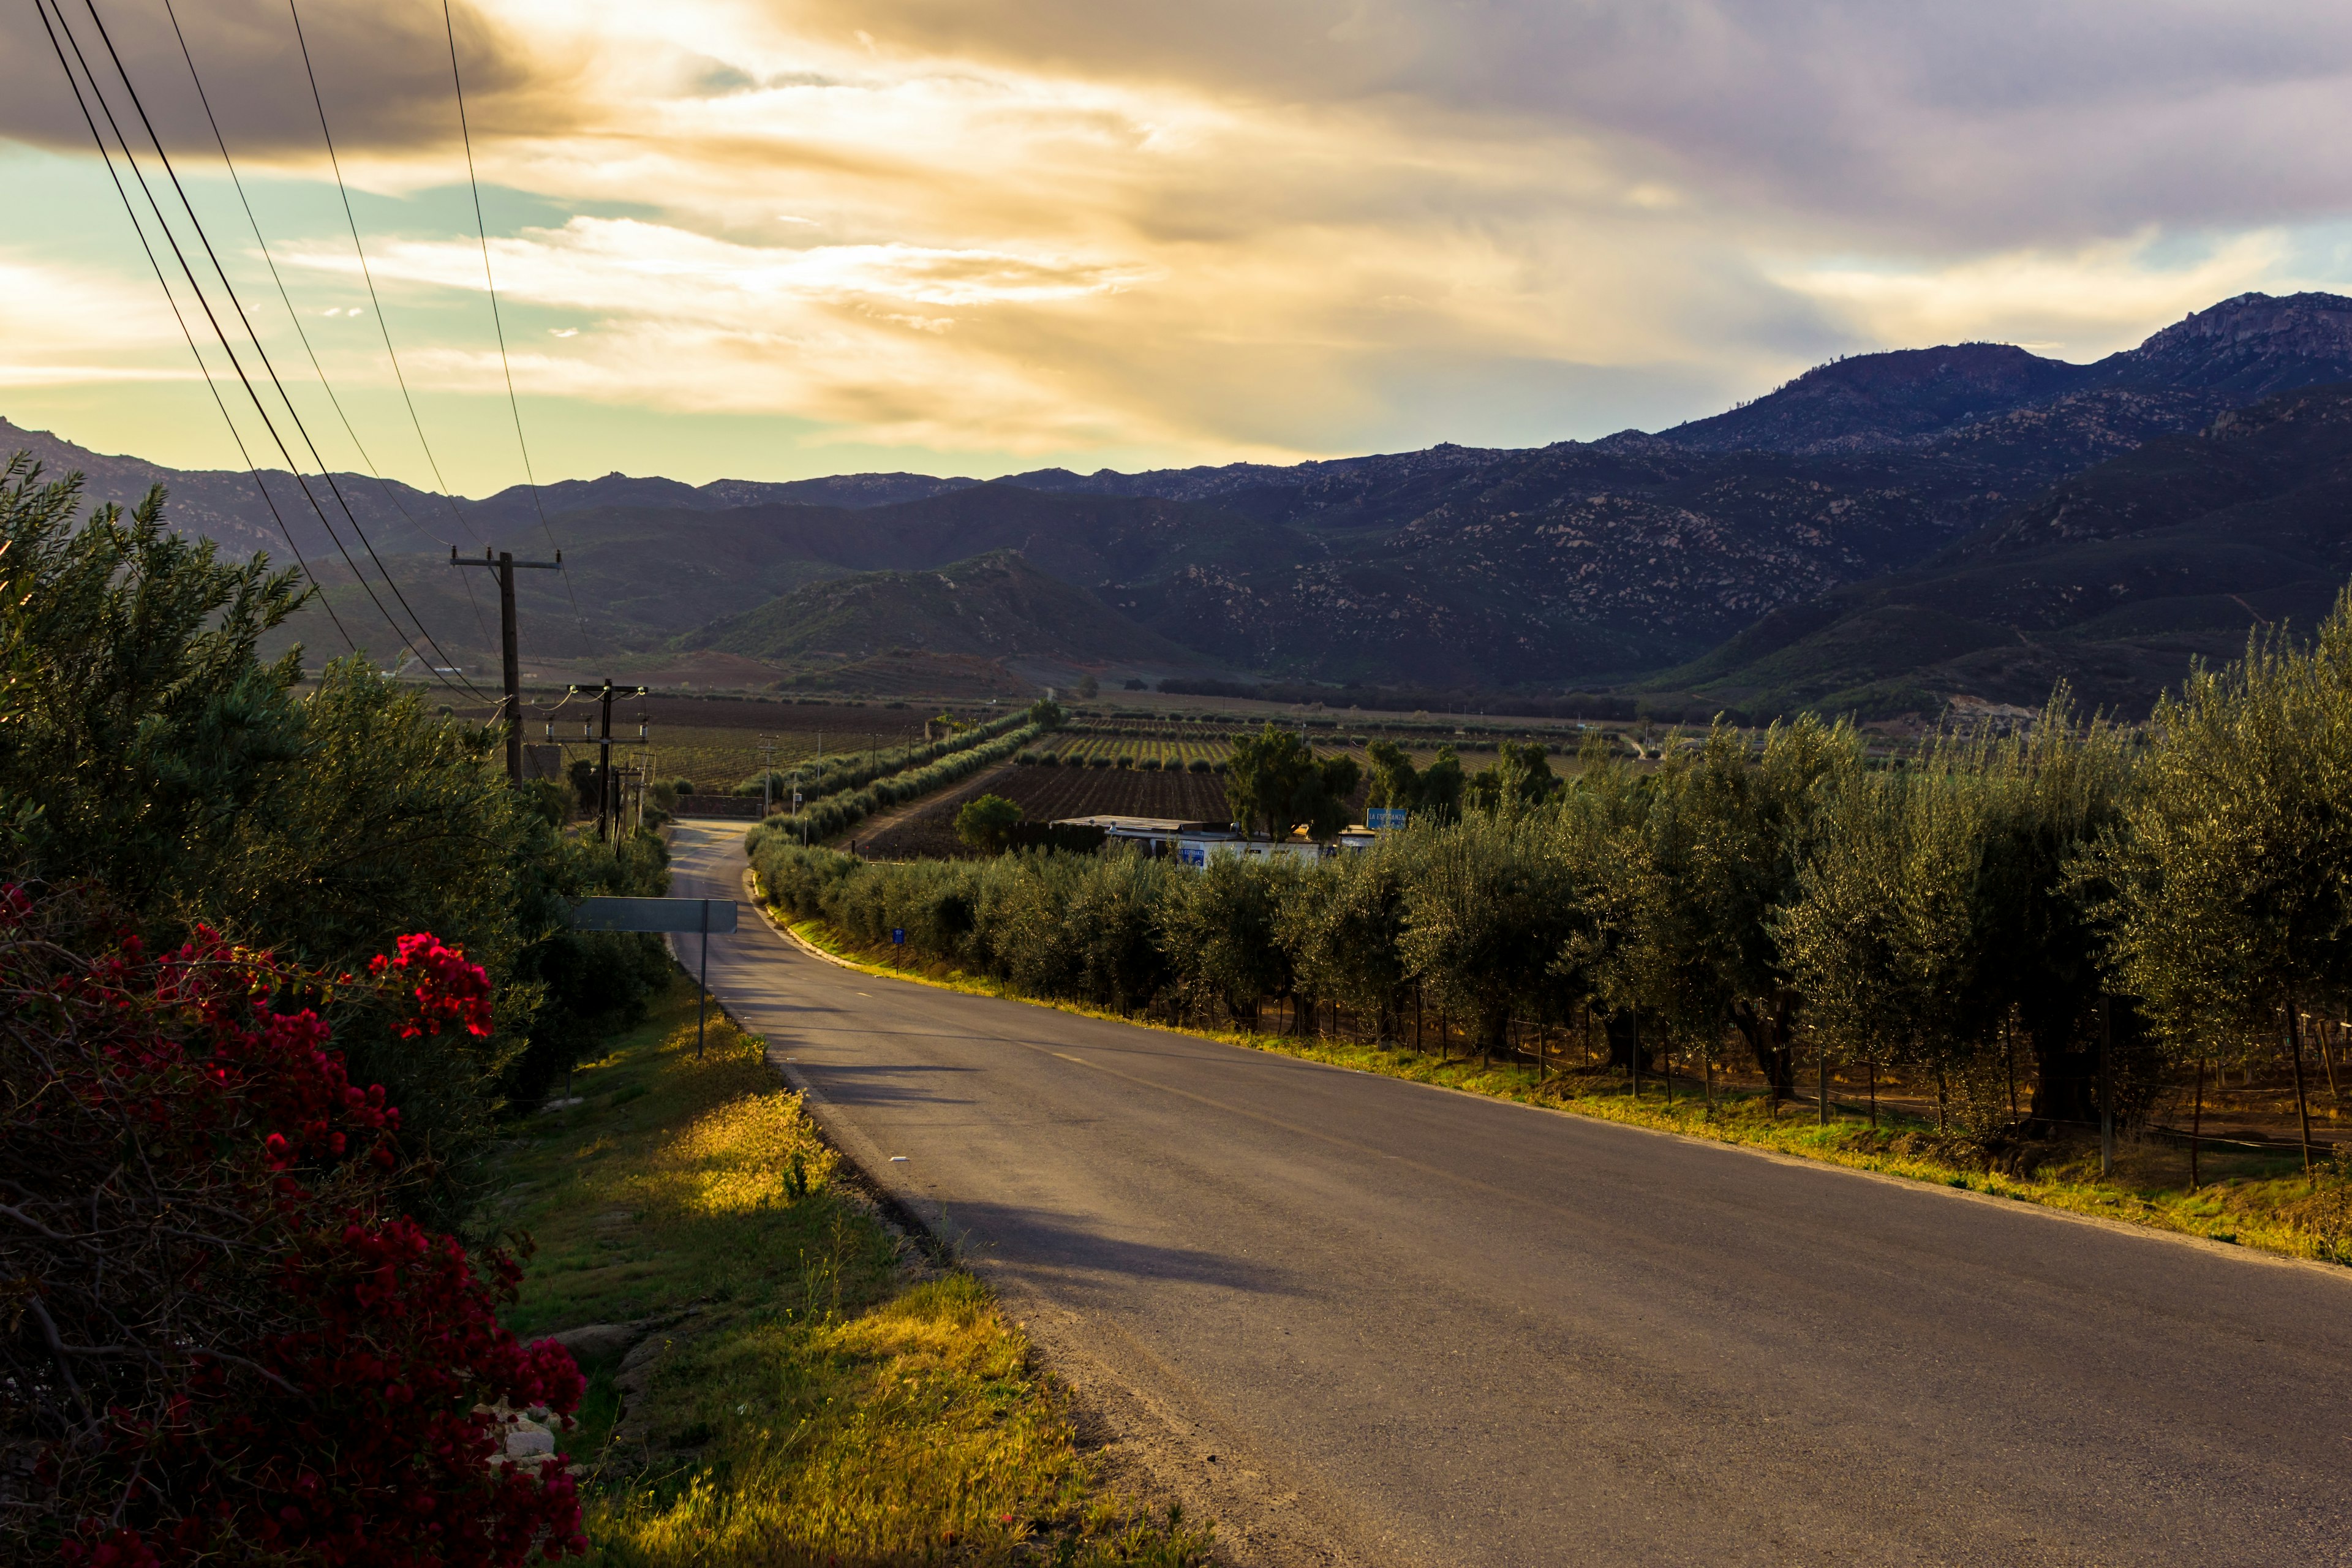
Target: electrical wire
x=130, y=211
x=482, y=229
x=295, y=317
x=219, y=333
x=197, y=224
x=367, y=273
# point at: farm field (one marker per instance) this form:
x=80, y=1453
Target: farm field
x=1201, y=742
x=1046, y=795
x=715, y=741
x=1177, y=743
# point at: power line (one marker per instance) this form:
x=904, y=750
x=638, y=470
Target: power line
x=367, y=274
x=130, y=210
x=295, y=317
x=228, y=350
x=489, y=283
x=197, y=224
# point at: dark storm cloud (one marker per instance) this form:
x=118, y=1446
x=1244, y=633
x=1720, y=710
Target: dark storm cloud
x=383, y=72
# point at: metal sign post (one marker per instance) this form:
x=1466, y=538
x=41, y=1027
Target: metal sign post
x=672, y=916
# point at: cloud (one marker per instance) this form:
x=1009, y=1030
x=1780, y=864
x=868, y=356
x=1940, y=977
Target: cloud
x=383, y=70
x=2076, y=304
x=1230, y=229
x=61, y=327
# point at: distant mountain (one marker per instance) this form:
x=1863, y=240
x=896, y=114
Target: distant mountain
x=234, y=507
x=995, y=604
x=1921, y=399
x=2114, y=579
x=1571, y=565
x=516, y=508
x=642, y=575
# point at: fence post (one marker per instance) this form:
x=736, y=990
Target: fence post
x=703, y=1002
x=2301, y=1104
x=2106, y=1089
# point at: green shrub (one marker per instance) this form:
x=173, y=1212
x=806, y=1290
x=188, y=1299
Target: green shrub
x=985, y=823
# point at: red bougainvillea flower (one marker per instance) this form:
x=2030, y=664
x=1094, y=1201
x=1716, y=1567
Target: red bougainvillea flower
x=322, y=1394
x=449, y=989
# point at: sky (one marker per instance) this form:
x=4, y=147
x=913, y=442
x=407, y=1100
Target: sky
x=972, y=237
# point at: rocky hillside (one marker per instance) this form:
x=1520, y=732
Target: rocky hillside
x=996, y=605
x=2114, y=579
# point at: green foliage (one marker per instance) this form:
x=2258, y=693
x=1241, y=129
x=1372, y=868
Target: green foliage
x=144, y=746
x=1521, y=777
x=138, y=729
x=2226, y=880
x=1482, y=918
x=1220, y=929
x=987, y=823
x=1046, y=714
x=582, y=776
x=1279, y=785
x=1902, y=916
x=1343, y=924
x=1434, y=796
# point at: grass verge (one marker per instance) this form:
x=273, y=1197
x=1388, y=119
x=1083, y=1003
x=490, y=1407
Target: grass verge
x=2258, y=1200
x=813, y=1394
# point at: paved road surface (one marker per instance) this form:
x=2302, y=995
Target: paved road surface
x=1436, y=1329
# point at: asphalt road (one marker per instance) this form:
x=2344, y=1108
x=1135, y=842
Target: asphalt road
x=1438, y=1329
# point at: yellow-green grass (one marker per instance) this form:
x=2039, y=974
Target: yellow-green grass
x=827, y=1397
x=2262, y=1201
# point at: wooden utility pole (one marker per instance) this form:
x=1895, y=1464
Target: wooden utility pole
x=605, y=695
x=506, y=566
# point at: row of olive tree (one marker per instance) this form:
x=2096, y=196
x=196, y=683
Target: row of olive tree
x=2080, y=905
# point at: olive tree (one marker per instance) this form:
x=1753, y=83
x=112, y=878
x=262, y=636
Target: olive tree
x=2226, y=881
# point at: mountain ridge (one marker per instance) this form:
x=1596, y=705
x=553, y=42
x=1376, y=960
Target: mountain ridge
x=1574, y=563
x=994, y=604
x=2114, y=579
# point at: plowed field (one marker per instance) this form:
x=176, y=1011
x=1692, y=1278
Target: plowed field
x=1049, y=794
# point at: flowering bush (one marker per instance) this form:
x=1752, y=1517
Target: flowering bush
x=224, y=1341
x=447, y=989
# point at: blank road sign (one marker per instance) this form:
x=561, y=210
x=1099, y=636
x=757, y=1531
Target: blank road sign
x=685, y=915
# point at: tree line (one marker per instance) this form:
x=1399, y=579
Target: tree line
x=2093, y=908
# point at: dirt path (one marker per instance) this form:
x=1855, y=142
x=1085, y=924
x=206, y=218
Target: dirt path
x=881, y=822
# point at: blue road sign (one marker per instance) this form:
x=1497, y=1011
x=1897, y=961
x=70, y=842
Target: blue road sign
x=1385, y=818
x=898, y=935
